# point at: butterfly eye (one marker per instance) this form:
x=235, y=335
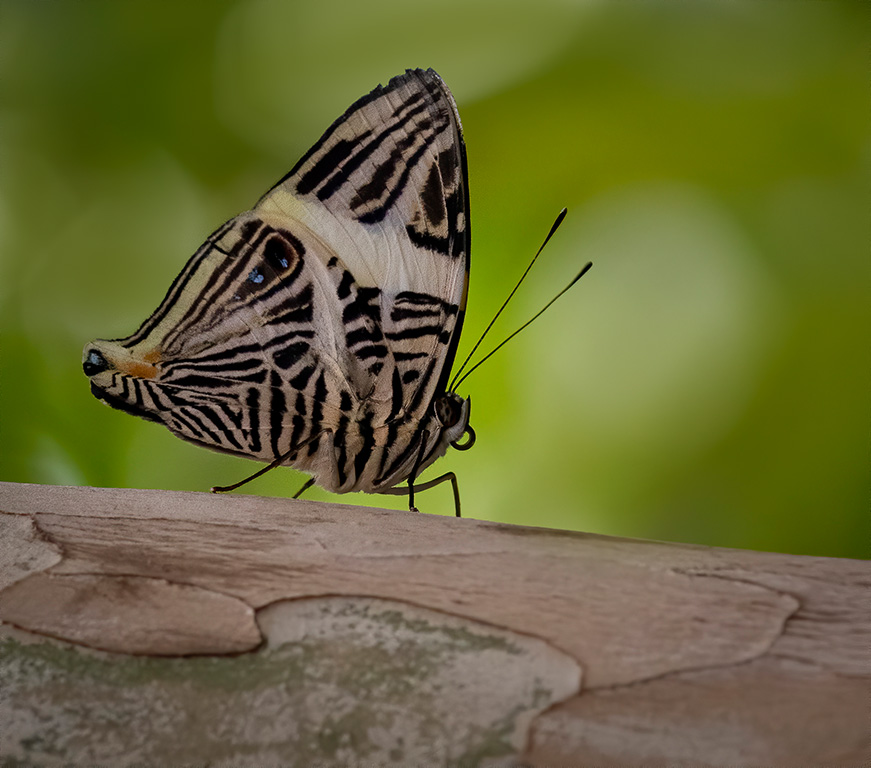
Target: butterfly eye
x=447, y=411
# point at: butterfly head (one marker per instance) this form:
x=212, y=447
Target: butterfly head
x=452, y=414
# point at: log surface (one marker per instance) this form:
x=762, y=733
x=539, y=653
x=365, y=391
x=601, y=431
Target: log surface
x=247, y=630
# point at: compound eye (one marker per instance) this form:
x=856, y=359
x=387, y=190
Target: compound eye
x=447, y=411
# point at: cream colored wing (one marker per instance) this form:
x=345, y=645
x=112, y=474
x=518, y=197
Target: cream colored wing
x=328, y=316
x=385, y=191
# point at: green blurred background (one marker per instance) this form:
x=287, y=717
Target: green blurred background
x=707, y=382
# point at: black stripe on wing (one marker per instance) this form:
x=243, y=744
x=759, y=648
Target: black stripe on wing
x=377, y=93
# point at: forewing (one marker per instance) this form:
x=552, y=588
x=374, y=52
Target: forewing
x=385, y=190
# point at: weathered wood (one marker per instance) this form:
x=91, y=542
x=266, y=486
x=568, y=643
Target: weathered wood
x=323, y=633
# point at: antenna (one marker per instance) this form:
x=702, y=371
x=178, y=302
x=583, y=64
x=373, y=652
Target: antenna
x=559, y=220
x=534, y=317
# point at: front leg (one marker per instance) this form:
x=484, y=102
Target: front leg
x=415, y=469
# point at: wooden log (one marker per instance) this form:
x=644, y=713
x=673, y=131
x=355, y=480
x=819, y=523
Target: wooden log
x=155, y=627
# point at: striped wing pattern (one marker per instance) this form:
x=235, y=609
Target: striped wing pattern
x=327, y=317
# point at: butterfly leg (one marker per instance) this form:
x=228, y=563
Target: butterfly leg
x=397, y=491
x=415, y=469
x=401, y=491
x=308, y=484
x=277, y=463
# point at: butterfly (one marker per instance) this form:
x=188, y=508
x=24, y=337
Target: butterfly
x=319, y=328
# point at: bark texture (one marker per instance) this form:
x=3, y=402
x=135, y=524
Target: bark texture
x=155, y=627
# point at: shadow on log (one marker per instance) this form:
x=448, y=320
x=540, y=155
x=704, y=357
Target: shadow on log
x=155, y=627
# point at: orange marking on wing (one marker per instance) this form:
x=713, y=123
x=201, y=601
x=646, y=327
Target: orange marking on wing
x=140, y=370
x=144, y=368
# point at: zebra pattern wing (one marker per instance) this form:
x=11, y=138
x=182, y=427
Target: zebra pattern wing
x=386, y=188
x=327, y=316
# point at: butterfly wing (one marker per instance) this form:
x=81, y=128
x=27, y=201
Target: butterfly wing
x=330, y=313
x=386, y=188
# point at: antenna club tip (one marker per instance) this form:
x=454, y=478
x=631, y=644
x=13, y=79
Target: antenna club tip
x=581, y=273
